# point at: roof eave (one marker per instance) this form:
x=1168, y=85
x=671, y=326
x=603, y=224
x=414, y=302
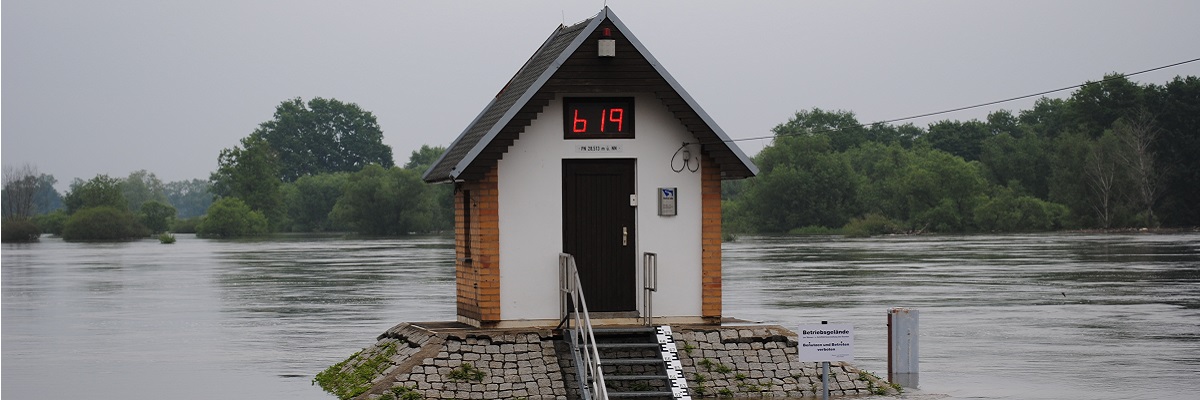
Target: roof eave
x=525, y=97
x=746, y=161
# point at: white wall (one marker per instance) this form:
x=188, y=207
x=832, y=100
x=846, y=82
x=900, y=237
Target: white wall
x=530, y=186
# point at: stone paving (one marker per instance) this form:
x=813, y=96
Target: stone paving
x=450, y=361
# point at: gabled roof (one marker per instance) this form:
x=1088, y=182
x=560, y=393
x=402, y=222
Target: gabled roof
x=565, y=63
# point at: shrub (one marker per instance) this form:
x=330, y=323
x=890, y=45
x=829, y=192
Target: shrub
x=156, y=215
x=52, y=223
x=20, y=230
x=812, y=230
x=186, y=225
x=871, y=224
x=101, y=224
x=1009, y=212
x=231, y=217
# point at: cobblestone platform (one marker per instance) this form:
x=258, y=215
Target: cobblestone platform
x=447, y=360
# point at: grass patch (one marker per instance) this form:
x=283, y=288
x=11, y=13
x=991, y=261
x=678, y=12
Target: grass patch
x=353, y=376
x=402, y=393
x=466, y=372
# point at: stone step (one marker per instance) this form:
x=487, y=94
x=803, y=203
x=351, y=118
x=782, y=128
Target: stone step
x=610, y=377
x=652, y=346
x=623, y=330
x=631, y=361
x=640, y=394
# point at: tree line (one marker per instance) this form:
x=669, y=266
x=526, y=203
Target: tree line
x=319, y=166
x=322, y=166
x=1114, y=154
x=101, y=208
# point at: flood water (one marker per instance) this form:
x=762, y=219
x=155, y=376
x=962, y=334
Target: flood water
x=1056, y=316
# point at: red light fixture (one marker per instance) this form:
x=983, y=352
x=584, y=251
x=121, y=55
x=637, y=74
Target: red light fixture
x=607, y=45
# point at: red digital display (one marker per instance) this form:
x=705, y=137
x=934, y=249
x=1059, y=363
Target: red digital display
x=598, y=117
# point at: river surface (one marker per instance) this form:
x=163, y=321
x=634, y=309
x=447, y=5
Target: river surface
x=1049, y=316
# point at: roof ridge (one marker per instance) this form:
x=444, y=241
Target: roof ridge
x=540, y=68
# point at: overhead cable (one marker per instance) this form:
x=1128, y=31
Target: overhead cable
x=990, y=103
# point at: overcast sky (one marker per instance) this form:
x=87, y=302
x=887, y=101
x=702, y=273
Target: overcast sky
x=110, y=87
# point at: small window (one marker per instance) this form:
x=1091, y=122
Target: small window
x=598, y=118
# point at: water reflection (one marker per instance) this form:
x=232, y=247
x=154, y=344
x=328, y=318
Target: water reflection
x=312, y=296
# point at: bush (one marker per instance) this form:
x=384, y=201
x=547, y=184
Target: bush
x=870, y=225
x=52, y=223
x=231, y=217
x=186, y=225
x=101, y=224
x=156, y=215
x=1008, y=212
x=812, y=230
x=20, y=230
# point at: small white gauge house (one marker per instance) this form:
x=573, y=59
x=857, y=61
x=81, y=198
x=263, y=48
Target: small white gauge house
x=594, y=150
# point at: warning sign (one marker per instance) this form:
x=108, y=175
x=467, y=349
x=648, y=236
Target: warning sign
x=826, y=343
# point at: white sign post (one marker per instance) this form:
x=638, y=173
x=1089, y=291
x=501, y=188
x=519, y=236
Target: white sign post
x=825, y=343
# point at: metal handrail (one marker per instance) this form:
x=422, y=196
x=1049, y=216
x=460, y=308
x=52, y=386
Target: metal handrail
x=650, y=284
x=571, y=297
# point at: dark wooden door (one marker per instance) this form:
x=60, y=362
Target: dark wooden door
x=598, y=230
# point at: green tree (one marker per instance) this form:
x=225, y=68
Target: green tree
x=52, y=222
x=156, y=216
x=1019, y=159
x=903, y=135
x=942, y=191
x=1008, y=211
x=102, y=223
x=881, y=169
x=423, y=158
x=1069, y=153
x=801, y=183
x=140, y=187
x=1048, y=118
x=963, y=139
x=1003, y=121
x=1095, y=106
x=443, y=195
x=47, y=199
x=384, y=201
x=323, y=136
x=311, y=198
x=841, y=127
x=99, y=191
x=251, y=173
x=191, y=197
x=1177, y=108
x=231, y=217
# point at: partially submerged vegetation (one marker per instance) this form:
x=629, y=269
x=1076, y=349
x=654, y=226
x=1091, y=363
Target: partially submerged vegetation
x=1115, y=154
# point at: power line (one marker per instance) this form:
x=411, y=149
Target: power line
x=990, y=103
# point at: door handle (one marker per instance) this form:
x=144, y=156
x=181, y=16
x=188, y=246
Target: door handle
x=624, y=236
